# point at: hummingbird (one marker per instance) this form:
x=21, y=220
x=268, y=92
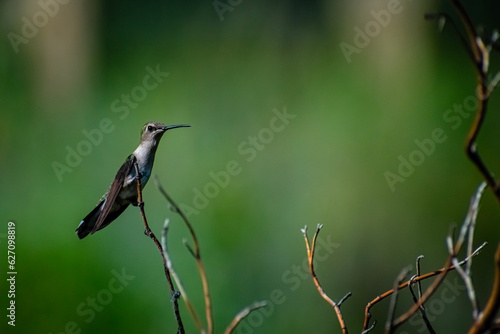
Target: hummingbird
x=123, y=190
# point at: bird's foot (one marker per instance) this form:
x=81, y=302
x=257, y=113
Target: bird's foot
x=139, y=204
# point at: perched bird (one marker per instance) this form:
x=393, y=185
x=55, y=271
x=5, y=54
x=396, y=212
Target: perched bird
x=123, y=190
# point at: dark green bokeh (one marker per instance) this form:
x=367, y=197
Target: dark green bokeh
x=353, y=120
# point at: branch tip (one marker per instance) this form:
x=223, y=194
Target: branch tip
x=349, y=294
x=304, y=230
x=369, y=329
x=242, y=314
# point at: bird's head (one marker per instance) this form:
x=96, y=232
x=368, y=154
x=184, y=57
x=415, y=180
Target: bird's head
x=153, y=131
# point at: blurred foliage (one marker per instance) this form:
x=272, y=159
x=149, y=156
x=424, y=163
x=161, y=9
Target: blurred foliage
x=352, y=122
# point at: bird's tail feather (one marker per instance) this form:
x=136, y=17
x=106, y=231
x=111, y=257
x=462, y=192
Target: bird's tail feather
x=87, y=224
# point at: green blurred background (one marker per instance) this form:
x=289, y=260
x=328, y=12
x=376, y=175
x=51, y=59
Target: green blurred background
x=228, y=71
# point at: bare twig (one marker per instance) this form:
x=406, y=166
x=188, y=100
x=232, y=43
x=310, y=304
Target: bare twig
x=471, y=34
x=389, y=327
x=416, y=299
x=349, y=294
x=453, y=251
x=486, y=319
x=468, y=228
x=310, y=257
x=467, y=280
x=177, y=280
x=419, y=284
x=422, y=310
x=427, y=294
x=242, y=314
x=416, y=279
x=481, y=63
x=149, y=233
x=196, y=254
x=471, y=218
x=369, y=329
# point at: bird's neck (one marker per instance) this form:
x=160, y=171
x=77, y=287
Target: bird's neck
x=145, y=155
x=145, y=152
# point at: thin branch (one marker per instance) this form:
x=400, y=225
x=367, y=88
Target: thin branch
x=416, y=299
x=419, y=284
x=369, y=329
x=177, y=280
x=422, y=310
x=389, y=328
x=471, y=33
x=416, y=279
x=493, y=83
x=242, y=314
x=349, y=294
x=468, y=228
x=196, y=253
x=486, y=319
x=471, y=217
x=468, y=283
x=428, y=293
x=149, y=233
x=453, y=251
x=481, y=62
x=310, y=256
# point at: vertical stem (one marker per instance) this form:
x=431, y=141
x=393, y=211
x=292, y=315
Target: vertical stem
x=149, y=233
x=197, y=256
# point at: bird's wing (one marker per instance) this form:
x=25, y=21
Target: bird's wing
x=114, y=190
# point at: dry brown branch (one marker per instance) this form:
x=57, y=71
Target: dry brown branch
x=427, y=294
x=389, y=328
x=483, y=321
x=149, y=233
x=413, y=280
x=481, y=62
x=310, y=257
x=196, y=254
x=453, y=251
x=419, y=283
x=178, y=281
x=422, y=310
x=486, y=318
x=242, y=314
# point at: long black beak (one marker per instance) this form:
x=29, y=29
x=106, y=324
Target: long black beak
x=170, y=127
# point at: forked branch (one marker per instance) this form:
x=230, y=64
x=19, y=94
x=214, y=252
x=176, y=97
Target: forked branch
x=486, y=319
x=242, y=314
x=413, y=280
x=310, y=257
x=177, y=279
x=174, y=294
x=451, y=264
x=196, y=254
x=481, y=64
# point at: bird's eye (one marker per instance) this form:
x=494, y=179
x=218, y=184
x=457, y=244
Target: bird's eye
x=150, y=128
